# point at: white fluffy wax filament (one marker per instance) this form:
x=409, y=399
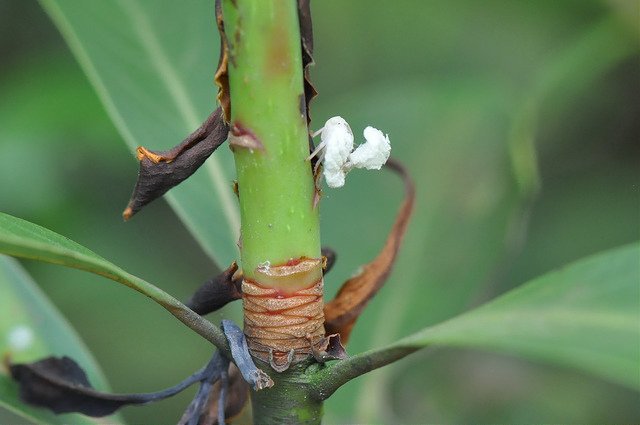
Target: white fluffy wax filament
x=336, y=150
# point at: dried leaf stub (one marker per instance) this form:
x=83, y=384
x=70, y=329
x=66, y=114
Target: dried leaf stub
x=329, y=257
x=306, y=39
x=217, y=292
x=342, y=312
x=160, y=171
x=221, y=77
x=330, y=348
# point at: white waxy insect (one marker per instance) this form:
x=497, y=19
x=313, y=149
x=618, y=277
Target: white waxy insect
x=336, y=150
x=372, y=154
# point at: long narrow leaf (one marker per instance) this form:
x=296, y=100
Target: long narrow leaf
x=21, y=238
x=152, y=68
x=585, y=315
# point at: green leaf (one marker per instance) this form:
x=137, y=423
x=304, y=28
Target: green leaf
x=31, y=329
x=153, y=67
x=585, y=315
x=21, y=238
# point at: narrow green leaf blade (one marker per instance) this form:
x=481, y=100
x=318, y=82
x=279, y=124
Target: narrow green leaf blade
x=31, y=328
x=152, y=68
x=585, y=315
x=21, y=238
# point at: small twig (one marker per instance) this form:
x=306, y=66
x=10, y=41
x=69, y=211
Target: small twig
x=328, y=380
x=197, y=323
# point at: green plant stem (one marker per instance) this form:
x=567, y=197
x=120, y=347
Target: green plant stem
x=289, y=401
x=278, y=220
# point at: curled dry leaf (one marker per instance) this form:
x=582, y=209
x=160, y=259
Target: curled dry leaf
x=160, y=171
x=217, y=292
x=343, y=311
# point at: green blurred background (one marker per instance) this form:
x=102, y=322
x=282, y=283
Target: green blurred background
x=520, y=121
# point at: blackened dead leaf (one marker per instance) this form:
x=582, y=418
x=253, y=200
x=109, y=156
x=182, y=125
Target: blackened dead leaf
x=60, y=384
x=221, y=77
x=160, y=171
x=242, y=358
x=217, y=292
x=341, y=313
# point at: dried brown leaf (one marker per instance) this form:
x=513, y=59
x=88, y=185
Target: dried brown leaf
x=160, y=171
x=343, y=311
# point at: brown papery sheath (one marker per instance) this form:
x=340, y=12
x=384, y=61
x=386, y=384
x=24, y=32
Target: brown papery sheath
x=284, y=326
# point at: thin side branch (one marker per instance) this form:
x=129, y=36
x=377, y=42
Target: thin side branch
x=202, y=327
x=328, y=380
x=193, y=320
